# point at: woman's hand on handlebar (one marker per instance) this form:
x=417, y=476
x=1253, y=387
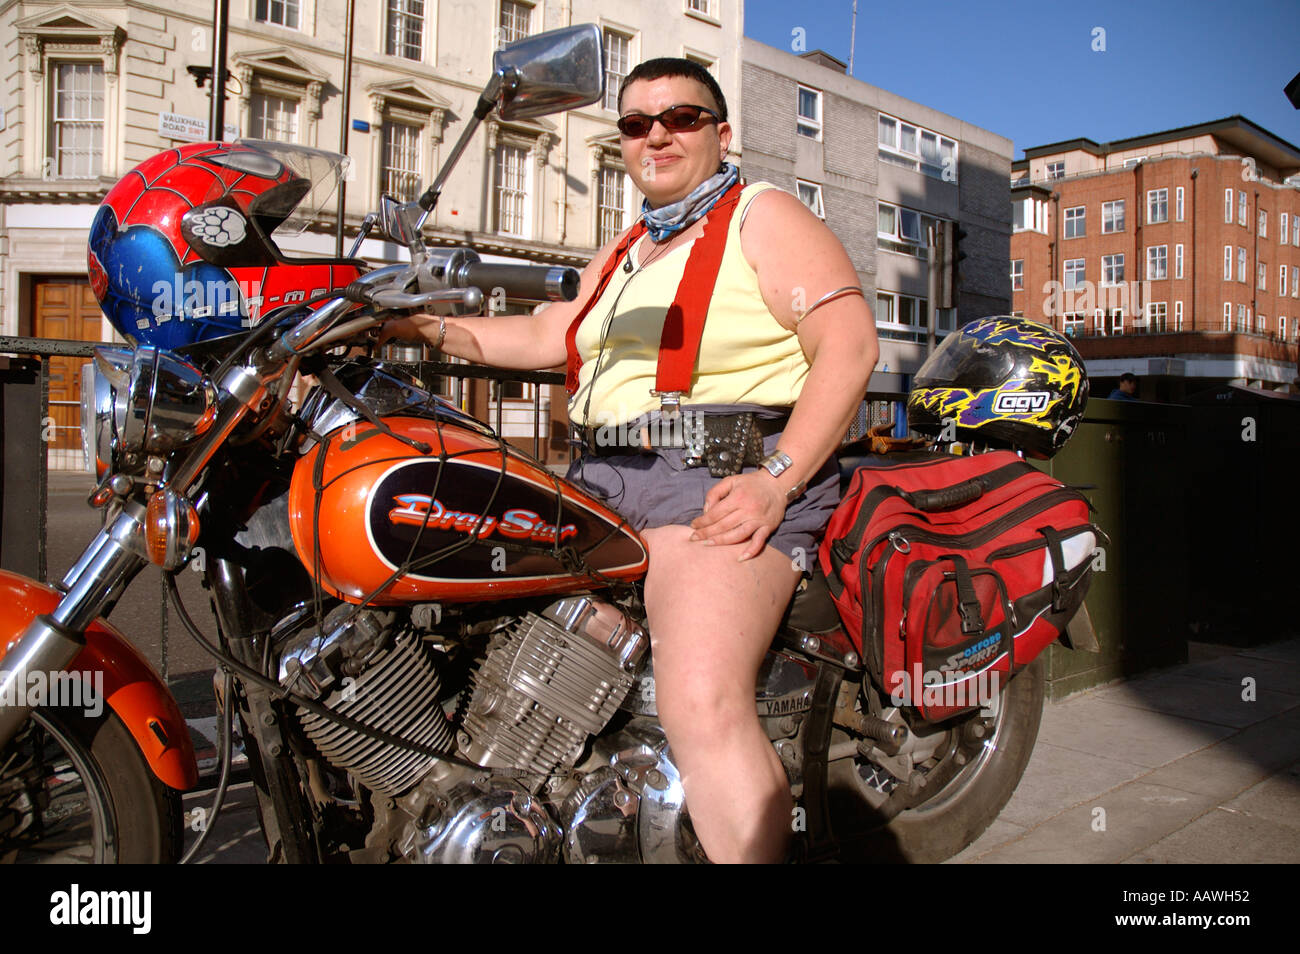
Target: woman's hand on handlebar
x=743, y=509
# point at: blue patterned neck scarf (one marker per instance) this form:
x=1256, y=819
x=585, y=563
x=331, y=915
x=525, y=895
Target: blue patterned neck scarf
x=671, y=219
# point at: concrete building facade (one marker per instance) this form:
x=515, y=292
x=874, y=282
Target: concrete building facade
x=1174, y=256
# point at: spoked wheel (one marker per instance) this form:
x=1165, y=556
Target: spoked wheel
x=76, y=789
x=974, y=767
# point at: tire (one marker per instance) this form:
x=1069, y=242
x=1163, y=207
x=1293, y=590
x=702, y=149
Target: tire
x=101, y=801
x=959, y=813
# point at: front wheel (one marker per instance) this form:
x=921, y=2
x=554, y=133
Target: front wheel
x=76, y=788
x=951, y=818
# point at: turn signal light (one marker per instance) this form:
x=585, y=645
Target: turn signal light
x=171, y=527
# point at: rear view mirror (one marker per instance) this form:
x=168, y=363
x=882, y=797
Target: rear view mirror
x=551, y=72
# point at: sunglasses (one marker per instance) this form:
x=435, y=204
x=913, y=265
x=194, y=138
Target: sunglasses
x=674, y=119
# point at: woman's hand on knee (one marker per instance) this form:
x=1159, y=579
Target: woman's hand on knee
x=744, y=509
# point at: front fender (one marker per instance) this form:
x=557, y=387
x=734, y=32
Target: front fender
x=131, y=688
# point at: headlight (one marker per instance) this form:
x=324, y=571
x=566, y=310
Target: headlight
x=141, y=402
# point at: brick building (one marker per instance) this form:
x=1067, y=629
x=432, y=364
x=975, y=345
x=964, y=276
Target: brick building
x=1174, y=255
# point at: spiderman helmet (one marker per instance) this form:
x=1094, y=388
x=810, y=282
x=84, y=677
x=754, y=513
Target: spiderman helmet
x=1001, y=381
x=183, y=249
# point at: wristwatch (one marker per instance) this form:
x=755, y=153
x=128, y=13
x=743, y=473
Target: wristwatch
x=776, y=465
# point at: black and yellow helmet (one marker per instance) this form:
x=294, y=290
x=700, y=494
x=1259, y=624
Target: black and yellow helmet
x=1001, y=381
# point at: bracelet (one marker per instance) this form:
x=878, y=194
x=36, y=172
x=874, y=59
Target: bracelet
x=854, y=289
x=442, y=332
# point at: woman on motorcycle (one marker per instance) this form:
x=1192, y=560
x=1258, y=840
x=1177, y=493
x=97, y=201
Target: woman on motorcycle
x=787, y=328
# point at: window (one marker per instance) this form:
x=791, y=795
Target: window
x=1178, y=261
x=902, y=317
x=1241, y=208
x=1295, y=281
x=274, y=117
x=1074, y=272
x=902, y=230
x=512, y=190
x=1227, y=206
x=904, y=144
x=405, y=29
x=1281, y=326
x=1112, y=216
x=1241, y=318
x=281, y=12
x=613, y=204
x=810, y=194
x=1074, y=221
x=1157, y=206
x=1283, y=229
x=1073, y=324
x=517, y=23
x=1130, y=163
x=1227, y=263
x=1112, y=269
x=1157, y=316
x=1261, y=324
x=809, y=122
x=1029, y=214
x=1281, y=280
x=1227, y=316
x=1241, y=264
x=401, y=169
x=1295, y=231
x=1178, y=204
x=700, y=6
x=1263, y=224
x=1178, y=316
x=77, y=137
x=1018, y=274
x=1056, y=170
x=1117, y=321
x=617, y=59
x=1261, y=276
x=1157, y=262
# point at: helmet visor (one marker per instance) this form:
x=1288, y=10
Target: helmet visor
x=295, y=209
x=962, y=361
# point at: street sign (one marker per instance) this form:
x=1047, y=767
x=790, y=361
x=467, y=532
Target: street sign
x=190, y=128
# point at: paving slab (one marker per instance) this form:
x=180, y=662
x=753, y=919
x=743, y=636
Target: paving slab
x=1288, y=651
x=1274, y=675
x=1057, y=778
x=998, y=833
x=1276, y=798
x=1225, y=837
x=1204, y=700
x=1126, y=733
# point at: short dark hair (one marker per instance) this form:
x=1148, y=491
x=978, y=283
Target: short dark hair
x=675, y=66
x=1128, y=376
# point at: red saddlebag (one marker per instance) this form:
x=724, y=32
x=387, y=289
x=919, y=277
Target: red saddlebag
x=953, y=572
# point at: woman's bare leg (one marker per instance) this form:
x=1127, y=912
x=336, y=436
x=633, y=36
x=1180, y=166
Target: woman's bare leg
x=711, y=621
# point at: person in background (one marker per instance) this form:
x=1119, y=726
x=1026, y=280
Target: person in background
x=1127, y=390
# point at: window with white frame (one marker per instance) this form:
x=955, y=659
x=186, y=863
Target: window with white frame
x=914, y=147
x=1056, y=170
x=1157, y=206
x=902, y=230
x=1241, y=208
x=1261, y=276
x=617, y=64
x=1112, y=216
x=1098, y=322
x=1241, y=318
x=700, y=6
x=1295, y=281
x=512, y=172
x=1112, y=269
x=1018, y=274
x=1263, y=223
x=77, y=120
x=1073, y=324
x=1157, y=313
x=401, y=161
x=808, y=109
x=1241, y=264
x=1227, y=316
x=901, y=317
x=1074, y=274
x=1261, y=324
x=1029, y=214
x=1281, y=326
x=516, y=22
x=612, y=197
x=274, y=117
x=1178, y=261
x=1281, y=280
x=1227, y=263
x=1132, y=161
x=1227, y=206
x=1178, y=204
x=1157, y=262
x=280, y=12
x=1178, y=316
x=1295, y=230
x=1075, y=221
x=405, y=29
x=1283, y=229
x=1117, y=321
x=810, y=194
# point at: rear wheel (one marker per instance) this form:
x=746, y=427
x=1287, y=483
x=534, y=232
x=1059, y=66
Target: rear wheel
x=988, y=756
x=76, y=788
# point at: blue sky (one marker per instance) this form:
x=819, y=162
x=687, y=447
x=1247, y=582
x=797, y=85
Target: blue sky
x=1028, y=71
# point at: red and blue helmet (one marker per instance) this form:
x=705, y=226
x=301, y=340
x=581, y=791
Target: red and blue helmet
x=181, y=249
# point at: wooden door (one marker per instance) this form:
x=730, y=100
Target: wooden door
x=65, y=308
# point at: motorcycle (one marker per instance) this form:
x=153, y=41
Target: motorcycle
x=435, y=648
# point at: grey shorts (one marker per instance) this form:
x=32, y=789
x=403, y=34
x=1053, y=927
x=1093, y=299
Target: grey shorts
x=654, y=490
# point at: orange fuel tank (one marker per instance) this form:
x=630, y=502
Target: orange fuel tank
x=375, y=519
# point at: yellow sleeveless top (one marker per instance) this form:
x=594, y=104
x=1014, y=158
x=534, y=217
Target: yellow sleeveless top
x=745, y=357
